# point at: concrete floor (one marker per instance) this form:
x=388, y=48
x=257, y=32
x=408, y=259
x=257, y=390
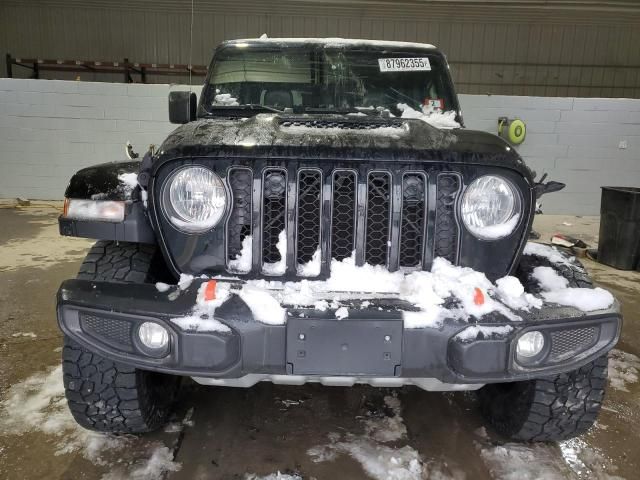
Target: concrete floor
x=230, y=433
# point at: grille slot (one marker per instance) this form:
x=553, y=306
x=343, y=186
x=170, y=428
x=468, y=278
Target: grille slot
x=378, y=217
x=343, y=215
x=274, y=198
x=308, y=218
x=413, y=220
x=567, y=343
x=109, y=330
x=239, y=224
x=447, y=230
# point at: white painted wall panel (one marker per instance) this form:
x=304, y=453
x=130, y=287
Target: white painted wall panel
x=50, y=128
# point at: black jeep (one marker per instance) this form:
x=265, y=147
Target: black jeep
x=323, y=216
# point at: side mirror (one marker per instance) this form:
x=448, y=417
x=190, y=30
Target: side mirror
x=182, y=107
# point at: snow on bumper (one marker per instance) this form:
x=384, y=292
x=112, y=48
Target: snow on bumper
x=372, y=341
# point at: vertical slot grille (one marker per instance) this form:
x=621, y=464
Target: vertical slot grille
x=413, y=220
x=446, y=241
x=343, y=215
x=239, y=225
x=378, y=217
x=308, y=215
x=274, y=198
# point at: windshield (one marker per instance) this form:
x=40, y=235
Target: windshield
x=313, y=78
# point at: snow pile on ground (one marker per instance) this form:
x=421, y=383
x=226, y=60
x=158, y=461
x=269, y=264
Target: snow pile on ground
x=24, y=335
x=623, y=369
x=37, y=404
x=434, y=117
x=556, y=291
x=201, y=318
x=274, y=476
x=378, y=459
x=572, y=459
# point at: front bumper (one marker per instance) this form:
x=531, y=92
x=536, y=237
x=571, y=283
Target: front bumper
x=370, y=346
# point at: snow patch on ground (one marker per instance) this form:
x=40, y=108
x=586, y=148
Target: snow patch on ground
x=159, y=463
x=547, y=251
x=24, y=335
x=378, y=459
x=37, y=404
x=434, y=117
x=623, y=369
x=274, y=476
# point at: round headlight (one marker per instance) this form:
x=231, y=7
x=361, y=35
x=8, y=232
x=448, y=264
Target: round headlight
x=194, y=199
x=490, y=207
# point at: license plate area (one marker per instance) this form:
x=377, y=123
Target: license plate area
x=346, y=347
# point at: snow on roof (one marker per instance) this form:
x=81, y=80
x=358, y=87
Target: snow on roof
x=334, y=42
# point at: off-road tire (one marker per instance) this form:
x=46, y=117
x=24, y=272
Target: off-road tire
x=549, y=409
x=552, y=408
x=108, y=396
x=124, y=262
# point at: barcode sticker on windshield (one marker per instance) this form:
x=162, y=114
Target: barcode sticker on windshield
x=404, y=64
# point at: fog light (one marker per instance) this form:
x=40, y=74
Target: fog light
x=530, y=344
x=153, y=336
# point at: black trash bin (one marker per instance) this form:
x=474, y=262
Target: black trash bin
x=619, y=244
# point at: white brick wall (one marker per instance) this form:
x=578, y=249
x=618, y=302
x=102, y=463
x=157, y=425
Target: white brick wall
x=50, y=128
x=574, y=140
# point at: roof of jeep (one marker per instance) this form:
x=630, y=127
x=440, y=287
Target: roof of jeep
x=331, y=42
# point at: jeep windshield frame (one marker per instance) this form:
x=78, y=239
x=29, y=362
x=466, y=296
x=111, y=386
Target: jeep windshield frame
x=245, y=79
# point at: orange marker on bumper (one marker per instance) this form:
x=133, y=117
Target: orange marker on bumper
x=478, y=297
x=210, y=290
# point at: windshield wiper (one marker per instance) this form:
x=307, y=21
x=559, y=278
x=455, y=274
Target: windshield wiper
x=247, y=106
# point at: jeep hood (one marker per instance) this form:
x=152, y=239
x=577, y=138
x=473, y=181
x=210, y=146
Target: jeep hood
x=340, y=137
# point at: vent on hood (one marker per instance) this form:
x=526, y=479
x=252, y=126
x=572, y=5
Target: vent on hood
x=343, y=124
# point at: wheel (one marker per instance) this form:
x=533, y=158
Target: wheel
x=549, y=409
x=108, y=396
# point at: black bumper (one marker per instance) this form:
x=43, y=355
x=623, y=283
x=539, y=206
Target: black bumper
x=104, y=317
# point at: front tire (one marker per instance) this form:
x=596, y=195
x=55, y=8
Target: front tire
x=548, y=409
x=107, y=396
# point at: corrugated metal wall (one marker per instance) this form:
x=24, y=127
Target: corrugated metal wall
x=544, y=48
